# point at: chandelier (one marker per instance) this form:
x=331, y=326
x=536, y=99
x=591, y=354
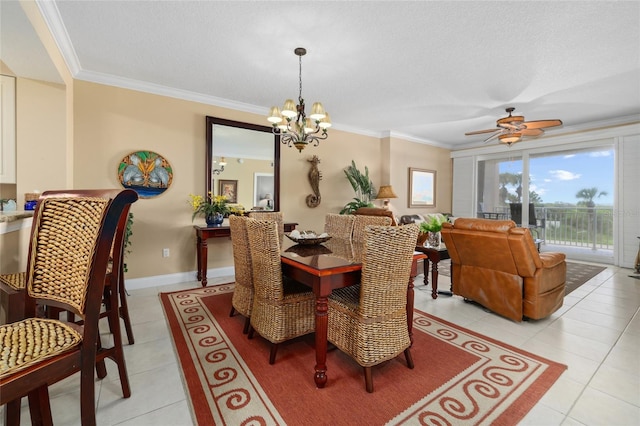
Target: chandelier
x=292, y=123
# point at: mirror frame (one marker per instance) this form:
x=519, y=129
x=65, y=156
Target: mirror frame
x=231, y=123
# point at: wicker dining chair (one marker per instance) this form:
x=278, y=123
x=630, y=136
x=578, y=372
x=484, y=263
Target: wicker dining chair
x=71, y=239
x=276, y=216
x=282, y=308
x=360, y=222
x=369, y=321
x=242, y=301
x=339, y=225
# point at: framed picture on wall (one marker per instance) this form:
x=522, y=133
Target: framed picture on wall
x=263, y=187
x=422, y=188
x=229, y=189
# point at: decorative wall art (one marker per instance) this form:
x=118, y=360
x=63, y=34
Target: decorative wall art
x=146, y=172
x=422, y=188
x=313, y=200
x=229, y=189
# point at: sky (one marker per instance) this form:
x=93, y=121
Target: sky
x=559, y=177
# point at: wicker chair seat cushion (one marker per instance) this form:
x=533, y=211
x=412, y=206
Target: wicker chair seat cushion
x=32, y=341
x=16, y=281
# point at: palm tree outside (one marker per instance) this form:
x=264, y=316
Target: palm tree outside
x=587, y=195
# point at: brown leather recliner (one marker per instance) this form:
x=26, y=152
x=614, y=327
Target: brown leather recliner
x=496, y=264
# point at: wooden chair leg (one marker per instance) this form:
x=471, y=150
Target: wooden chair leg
x=247, y=324
x=272, y=354
x=250, y=333
x=116, y=353
x=124, y=310
x=368, y=379
x=101, y=368
x=40, y=407
x=233, y=311
x=12, y=413
x=87, y=394
x=407, y=355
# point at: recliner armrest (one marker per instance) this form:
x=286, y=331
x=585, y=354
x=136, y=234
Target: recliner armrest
x=551, y=259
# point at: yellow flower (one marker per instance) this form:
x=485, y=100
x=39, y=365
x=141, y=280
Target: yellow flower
x=207, y=207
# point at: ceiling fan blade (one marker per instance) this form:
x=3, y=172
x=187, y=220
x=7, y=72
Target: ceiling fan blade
x=531, y=132
x=541, y=123
x=490, y=138
x=479, y=132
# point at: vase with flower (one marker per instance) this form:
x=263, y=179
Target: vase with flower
x=213, y=208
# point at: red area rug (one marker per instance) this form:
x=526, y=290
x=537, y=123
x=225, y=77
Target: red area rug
x=460, y=377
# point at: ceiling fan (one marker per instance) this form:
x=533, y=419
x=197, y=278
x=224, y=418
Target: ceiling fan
x=512, y=128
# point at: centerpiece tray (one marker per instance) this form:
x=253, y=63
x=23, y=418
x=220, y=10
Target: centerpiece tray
x=308, y=240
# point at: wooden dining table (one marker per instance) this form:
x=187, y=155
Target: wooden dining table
x=325, y=267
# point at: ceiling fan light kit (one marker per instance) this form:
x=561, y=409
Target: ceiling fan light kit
x=510, y=138
x=512, y=128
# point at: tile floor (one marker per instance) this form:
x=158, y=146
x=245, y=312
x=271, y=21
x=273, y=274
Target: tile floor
x=596, y=333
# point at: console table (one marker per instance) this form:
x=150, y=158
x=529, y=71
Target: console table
x=203, y=233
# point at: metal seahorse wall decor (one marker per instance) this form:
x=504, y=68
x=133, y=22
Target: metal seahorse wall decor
x=313, y=200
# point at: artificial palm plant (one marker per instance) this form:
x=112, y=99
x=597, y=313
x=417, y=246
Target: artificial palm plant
x=363, y=187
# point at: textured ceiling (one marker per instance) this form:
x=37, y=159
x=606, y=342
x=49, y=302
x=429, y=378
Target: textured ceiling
x=429, y=71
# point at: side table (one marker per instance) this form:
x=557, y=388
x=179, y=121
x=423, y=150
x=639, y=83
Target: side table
x=435, y=255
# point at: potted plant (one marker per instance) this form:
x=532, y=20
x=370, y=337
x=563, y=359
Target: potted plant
x=362, y=186
x=213, y=208
x=430, y=232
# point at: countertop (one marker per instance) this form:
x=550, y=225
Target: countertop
x=15, y=215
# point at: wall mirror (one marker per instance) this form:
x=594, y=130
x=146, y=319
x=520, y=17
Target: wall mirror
x=247, y=155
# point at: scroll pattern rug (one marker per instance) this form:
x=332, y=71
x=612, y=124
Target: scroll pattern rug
x=460, y=377
x=577, y=273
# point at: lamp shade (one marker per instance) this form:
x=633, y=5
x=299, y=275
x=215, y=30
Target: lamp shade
x=385, y=192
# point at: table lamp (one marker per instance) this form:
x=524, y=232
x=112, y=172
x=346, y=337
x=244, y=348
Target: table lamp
x=386, y=192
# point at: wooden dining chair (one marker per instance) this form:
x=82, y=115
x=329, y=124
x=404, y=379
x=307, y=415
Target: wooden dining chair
x=282, y=309
x=115, y=293
x=114, y=301
x=242, y=301
x=278, y=217
x=339, y=225
x=369, y=321
x=71, y=239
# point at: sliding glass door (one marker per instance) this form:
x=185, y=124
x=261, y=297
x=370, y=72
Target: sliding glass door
x=570, y=195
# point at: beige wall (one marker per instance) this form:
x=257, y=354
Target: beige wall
x=40, y=157
x=41, y=152
x=112, y=122
x=404, y=155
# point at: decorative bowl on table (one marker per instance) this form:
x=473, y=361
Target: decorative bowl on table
x=307, y=237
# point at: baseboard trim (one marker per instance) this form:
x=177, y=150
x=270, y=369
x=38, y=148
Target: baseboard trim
x=182, y=277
